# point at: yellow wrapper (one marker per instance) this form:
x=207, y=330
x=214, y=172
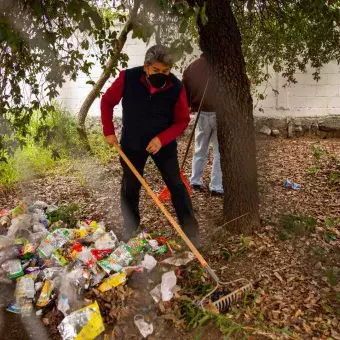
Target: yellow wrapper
x=45, y=294
x=79, y=233
x=95, y=325
x=112, y=281
x=94, y=225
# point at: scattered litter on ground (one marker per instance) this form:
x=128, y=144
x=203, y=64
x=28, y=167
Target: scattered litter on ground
x=83, y=324
x=144, y=327
x=291, y=185
x=79, y=272
x=168, y=284
x=156, y=293
x=149, y=262
x=180, y=259
x=112, y=281
x=63, y=304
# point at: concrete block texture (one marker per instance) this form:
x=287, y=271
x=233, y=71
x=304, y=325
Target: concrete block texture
x=306, y=98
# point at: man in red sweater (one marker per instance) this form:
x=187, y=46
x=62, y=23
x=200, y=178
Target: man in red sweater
x=155, y=113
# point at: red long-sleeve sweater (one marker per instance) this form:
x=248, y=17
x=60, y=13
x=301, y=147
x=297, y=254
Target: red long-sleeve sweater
x=114, y=94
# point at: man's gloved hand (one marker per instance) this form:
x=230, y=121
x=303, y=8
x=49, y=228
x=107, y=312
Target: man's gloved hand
x=111, y=140
x=154, y=146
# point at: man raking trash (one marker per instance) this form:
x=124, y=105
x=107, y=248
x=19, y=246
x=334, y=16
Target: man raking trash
x=155, y=113
x=151, y=123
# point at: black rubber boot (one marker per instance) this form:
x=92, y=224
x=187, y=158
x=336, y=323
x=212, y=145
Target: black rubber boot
x=193, y=234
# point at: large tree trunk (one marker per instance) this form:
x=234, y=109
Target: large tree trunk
x=110, y=65
x=220, y=41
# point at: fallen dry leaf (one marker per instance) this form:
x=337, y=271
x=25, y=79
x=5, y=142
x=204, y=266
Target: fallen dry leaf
x=278, y=276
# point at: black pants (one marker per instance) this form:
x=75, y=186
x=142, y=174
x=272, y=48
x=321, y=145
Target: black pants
x=167, y=162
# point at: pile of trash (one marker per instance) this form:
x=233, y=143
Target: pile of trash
x=55, y=265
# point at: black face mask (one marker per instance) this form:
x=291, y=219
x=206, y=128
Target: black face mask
x=158, y=80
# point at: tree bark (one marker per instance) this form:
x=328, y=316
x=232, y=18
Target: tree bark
x=220, y=40
x=110, y=65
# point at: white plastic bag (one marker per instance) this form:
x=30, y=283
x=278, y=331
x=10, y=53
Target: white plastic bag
x=149, y=262
x=169, y=280
x=144, y=327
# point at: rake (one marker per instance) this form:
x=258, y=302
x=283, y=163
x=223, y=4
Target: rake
x=223, y=301
x=165, y=193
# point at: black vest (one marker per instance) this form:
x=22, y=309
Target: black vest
x=146, y=115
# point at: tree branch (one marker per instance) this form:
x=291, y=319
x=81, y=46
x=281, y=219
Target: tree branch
x=110, y=65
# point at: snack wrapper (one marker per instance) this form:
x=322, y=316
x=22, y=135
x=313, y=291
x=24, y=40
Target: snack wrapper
x=101, y=254
x=112, y=281
x=51, y=273
x=110, y=264
x=14, y=268
x=28, y=249
x=107, y=241
x=96, y=234
x=45, y=294
x=58, y=258
x=86, y=257
x=26, y=307
x=83, y=324
x=53, y=241
x=78, y=233
x=123, y=255
x=137, y=245
x=30, y=270
x=158, y=246
x=97, y=275
x=61, y=236
x=25, y=286
x=19, y=241
x=120, y=258
x=75, y=250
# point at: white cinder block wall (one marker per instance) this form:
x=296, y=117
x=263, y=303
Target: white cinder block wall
x=306, y=98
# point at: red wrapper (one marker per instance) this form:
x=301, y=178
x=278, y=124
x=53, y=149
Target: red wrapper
x=101, y=254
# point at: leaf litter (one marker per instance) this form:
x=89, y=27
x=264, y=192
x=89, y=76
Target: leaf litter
x=294, y=266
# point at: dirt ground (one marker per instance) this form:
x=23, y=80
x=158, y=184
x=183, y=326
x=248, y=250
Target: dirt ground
x=293, y=260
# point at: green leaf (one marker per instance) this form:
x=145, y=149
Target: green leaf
x=313, y=170
x=331, y=277
x=137, y=31
x=329, y=222
x=250, y=5
x=85, y=44
x=71, y=8
x=91, y=82
x=188, y=48
x=184, y=26
x=203, y=16
x=330, y=236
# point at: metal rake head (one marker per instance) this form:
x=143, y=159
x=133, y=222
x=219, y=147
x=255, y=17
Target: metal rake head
x=223, y=303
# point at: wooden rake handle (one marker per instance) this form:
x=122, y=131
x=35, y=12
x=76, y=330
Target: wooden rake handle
x=162, y=207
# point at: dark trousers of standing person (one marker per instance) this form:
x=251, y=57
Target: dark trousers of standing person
x=167, y=162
